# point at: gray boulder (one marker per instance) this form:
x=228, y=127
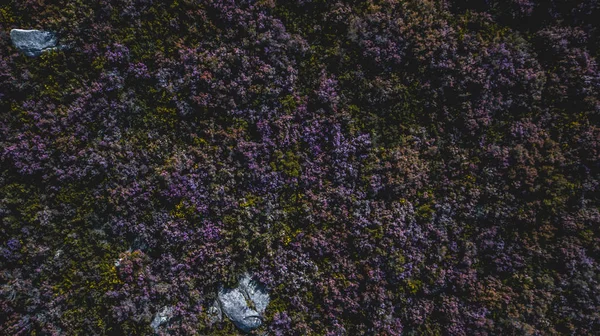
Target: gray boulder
x=33, y=42
x=161, y=318
x=256, y=292
x=243, y=305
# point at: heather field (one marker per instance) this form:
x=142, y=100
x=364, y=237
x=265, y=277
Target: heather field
x=380, y=167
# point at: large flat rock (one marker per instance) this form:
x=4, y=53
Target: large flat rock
x=33, y=42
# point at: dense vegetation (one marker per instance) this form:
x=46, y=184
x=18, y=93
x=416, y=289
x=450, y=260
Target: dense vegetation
x=384, y=167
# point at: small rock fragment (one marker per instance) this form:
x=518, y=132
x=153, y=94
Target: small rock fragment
x=161, y=317
x=245, y=304
x=33, y=42
x=214, y=313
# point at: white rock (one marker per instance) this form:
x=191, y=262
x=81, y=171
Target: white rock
x=244, y=305
x=161, y=317
x=33, y=42
x=257, y=293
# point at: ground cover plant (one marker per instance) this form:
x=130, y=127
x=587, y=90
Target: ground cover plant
x=383, y=167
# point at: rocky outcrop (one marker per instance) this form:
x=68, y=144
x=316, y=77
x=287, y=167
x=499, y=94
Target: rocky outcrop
x=244, y=305
x=33, y=42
